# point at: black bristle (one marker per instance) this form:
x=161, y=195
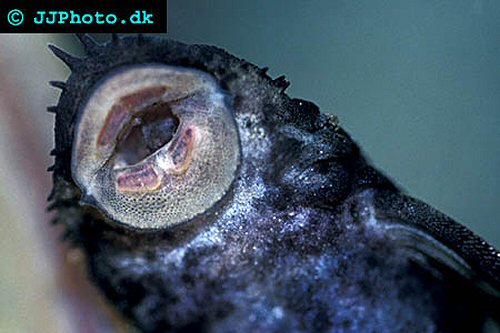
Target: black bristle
x=281, y=83
x=70, y=60
x=58, y=84
x=89, y=44
x=52, y=109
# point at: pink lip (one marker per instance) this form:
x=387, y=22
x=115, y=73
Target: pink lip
x=123, y=109
x=142, y=178
x=148, y=177
x=180, y=150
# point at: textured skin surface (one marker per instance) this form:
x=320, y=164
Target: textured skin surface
x=174, y=182
x=311, y=238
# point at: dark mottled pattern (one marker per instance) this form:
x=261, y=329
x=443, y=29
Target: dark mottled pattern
x=304, y=241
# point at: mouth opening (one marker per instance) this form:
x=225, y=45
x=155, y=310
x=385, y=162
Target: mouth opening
x=152, y=128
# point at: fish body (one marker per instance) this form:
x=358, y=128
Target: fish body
x=308, y=236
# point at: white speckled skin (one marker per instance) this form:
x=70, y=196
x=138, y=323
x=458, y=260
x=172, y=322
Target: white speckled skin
x=309, y=238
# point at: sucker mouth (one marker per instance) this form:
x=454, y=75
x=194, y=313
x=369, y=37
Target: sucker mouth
x=148, y=131
x=172, y=159
x=155, y=145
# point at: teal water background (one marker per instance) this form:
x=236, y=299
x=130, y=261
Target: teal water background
x=416, y=83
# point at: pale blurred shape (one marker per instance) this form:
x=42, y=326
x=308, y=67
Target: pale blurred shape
x=30, y=300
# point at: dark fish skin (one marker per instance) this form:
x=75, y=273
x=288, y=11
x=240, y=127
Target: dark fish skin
x=310, y=238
